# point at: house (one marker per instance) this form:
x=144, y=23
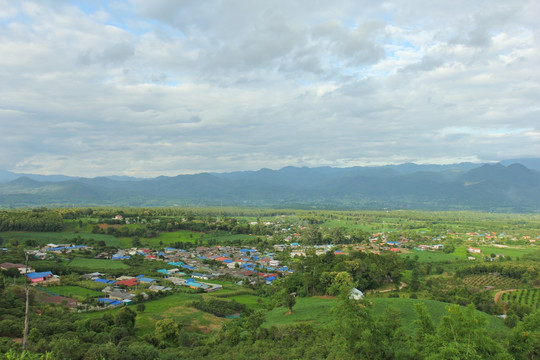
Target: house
x=145, y=279
x=474, y=250
x=356, y=294
x=157, y=288
x=23, y=269
x=110, y=302
x=121, y=295
x=201, y=276
x=42, y=278
x=127, y=282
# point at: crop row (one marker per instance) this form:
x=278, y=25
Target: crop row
x=490, y=280
x=529, y=297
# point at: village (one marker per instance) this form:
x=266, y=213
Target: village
x=196, y=268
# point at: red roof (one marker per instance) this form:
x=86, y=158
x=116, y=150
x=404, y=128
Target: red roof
x=128, y=282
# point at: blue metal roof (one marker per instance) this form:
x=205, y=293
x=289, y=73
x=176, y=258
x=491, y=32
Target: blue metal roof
x=104, y=281
x=37, y=275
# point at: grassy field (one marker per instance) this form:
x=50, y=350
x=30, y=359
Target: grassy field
x=351, y=225
x=43, y=238
x=316, y=311
x=433, y=256
x=97, y=264
x=75, y=292
x=175, y=307
x=512, y=252
x=313, y=310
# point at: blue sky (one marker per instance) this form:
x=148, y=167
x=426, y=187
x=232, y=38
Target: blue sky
x=167, y=87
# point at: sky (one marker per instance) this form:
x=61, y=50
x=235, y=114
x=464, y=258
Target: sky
x=166, y=87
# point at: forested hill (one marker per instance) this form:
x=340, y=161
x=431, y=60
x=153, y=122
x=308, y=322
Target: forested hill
x=488, y=187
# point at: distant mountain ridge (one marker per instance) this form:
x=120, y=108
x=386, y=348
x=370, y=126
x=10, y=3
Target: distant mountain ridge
x=465, y=186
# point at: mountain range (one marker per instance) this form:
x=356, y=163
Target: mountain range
x=512, y=185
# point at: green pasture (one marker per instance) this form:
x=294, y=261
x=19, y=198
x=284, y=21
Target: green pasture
x=75, y=292
x=97, y=264
x=312, y=310
x=43, y=238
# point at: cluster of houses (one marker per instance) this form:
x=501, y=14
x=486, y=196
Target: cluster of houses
x=243, y=263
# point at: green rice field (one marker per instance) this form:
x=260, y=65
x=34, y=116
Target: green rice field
x=97, y=264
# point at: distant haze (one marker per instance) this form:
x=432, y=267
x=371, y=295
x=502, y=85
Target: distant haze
x=147, y=88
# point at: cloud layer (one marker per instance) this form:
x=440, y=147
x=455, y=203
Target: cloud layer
x=168, y=87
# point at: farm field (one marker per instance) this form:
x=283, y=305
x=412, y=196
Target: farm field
x=512, y=252
x=433, y=256
x=44, y=238
x=499, y=282
x=175, y=307
x=529, y=297
x=75, y=292
x=97, y=264
x=351, y=225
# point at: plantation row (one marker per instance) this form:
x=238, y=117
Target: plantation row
x=502, y=282
x=529, y=297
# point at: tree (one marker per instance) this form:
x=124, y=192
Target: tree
x=141, y=307
x=524, y=341
x=167, y=330
x=289, y=301
x=125, y=317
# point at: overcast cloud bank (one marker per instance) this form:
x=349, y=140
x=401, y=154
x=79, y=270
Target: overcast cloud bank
x=148, y=88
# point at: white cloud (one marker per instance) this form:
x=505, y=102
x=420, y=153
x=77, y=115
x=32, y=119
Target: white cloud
x=168, y=87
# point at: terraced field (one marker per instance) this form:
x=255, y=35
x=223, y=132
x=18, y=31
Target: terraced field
x=529, y=297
